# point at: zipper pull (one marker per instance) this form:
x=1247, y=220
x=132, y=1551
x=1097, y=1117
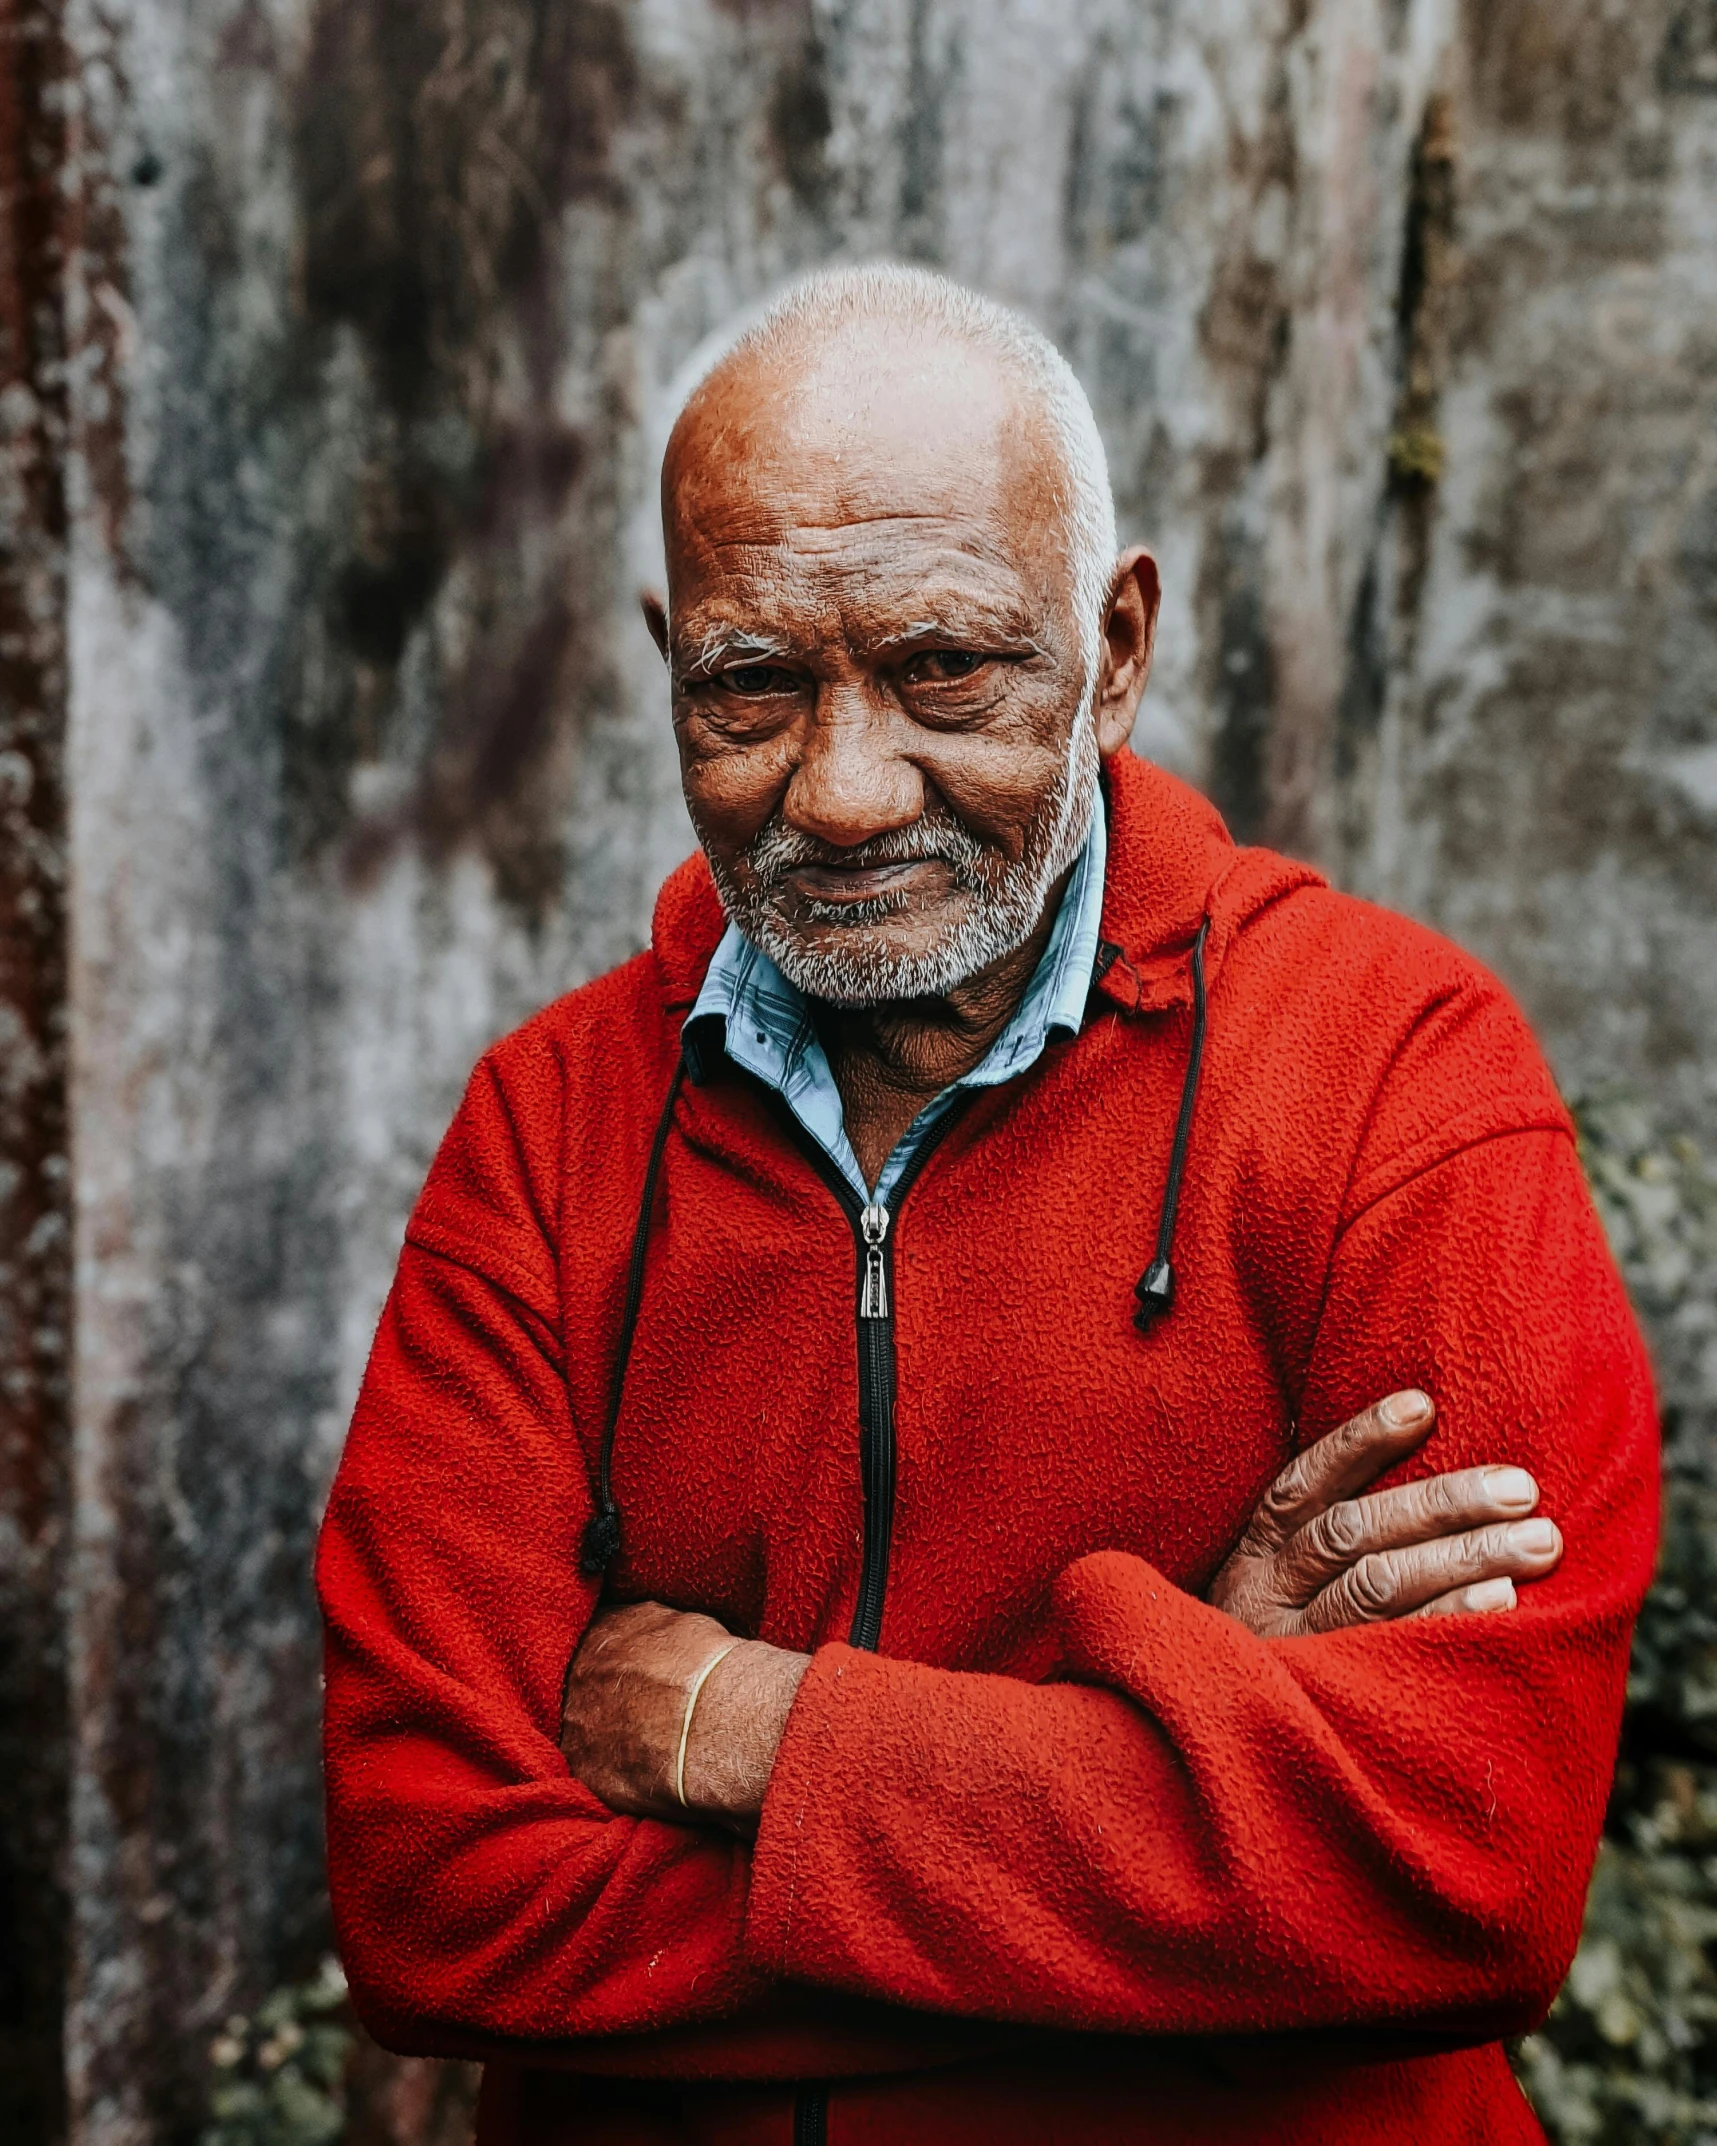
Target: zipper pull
x=873, y=1299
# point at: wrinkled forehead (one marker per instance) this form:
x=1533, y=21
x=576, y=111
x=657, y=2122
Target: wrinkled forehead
x=890, y=472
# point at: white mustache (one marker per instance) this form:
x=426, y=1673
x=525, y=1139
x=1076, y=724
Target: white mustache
x=780, y=849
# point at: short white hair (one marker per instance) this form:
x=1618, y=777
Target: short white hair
x=890, y=292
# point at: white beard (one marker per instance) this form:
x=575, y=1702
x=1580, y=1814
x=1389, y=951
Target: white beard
x=1004, y=906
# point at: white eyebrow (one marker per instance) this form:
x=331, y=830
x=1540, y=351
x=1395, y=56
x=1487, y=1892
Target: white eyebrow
x=940, y=632
x=723, y=644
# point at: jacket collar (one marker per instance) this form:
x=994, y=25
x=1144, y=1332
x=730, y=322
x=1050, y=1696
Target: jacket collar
x=1171, y=862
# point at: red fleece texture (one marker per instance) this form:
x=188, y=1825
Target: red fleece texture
x=1072, y=1854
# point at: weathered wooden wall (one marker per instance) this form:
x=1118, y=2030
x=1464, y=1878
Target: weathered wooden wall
x=337, y=334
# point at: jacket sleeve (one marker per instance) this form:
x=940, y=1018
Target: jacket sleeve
x=1202, y=1830
x=479, y=1890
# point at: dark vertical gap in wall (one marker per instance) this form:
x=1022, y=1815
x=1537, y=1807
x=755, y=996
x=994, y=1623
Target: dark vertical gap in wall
x=1383, y=626
x=1430, y=266
x=35, y=1236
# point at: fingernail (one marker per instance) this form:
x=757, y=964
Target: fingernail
x=1511, y=1486
x=1532, y=1537
x=1402, y=1410
x=1491, y=1595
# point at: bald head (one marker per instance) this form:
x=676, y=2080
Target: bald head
x=864, y=356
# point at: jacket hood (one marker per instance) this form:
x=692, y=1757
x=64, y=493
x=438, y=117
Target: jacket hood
x=1171, y=863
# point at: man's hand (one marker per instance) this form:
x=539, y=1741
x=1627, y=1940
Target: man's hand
x=625, y=1706
x=1316, y=1556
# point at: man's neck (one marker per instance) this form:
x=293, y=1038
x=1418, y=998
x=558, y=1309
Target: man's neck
x=890, y=1060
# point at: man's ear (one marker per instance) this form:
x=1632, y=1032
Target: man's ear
x=1129, y=635
x=656, y=618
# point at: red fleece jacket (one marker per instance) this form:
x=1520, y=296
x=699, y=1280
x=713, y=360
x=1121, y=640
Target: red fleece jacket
x=1071, y=1854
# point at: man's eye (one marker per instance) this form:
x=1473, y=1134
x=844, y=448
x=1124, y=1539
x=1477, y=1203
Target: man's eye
x=753, y=680
x=941, y=666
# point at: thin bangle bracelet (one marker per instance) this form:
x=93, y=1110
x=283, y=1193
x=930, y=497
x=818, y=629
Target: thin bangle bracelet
x=720, y=1655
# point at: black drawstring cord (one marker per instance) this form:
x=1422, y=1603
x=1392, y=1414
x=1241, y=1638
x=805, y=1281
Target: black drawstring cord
x=602, y=1536
x=1155, y=1287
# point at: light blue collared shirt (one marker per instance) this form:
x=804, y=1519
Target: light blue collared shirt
x=769, y=1030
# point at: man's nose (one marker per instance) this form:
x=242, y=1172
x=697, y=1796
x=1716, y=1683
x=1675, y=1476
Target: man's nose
x=852, y=783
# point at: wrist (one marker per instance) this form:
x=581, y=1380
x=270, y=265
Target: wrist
x=736, y=1729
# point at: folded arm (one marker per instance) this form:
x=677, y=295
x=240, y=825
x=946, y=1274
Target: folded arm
x=667, y=1715
x=479, y=1888
x=1211, y=1830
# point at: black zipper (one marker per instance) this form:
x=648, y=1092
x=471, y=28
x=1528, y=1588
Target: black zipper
x=873, y=1240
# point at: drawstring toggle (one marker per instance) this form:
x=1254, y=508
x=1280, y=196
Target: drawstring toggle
x=1155, y=1292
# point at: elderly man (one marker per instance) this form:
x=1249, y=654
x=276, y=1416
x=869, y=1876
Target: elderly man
x=862, y=1602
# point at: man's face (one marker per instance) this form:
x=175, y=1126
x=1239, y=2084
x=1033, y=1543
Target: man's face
x=880, y=684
